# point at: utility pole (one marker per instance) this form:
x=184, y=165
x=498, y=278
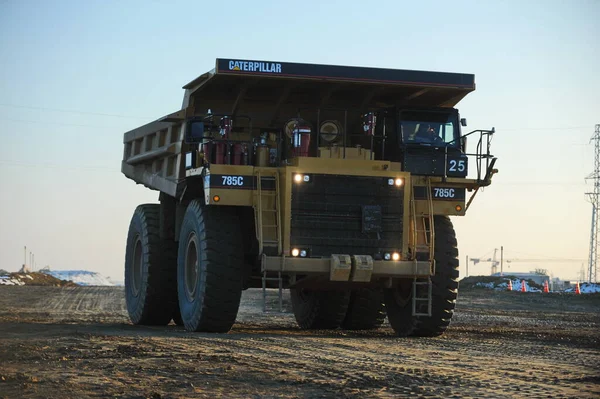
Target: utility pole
x=467, y=266
x=25, y=257
x=501, y=260
x=594, y=199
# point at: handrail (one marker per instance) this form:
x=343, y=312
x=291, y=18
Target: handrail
x=479, y=154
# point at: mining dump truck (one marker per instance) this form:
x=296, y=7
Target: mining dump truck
x=334, y=182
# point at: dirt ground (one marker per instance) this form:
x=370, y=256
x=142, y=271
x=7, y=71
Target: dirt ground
x=76, y=342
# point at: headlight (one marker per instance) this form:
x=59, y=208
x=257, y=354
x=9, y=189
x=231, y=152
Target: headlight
x=395, y=256
x=387, y=256
x=295, y=252
x=298, y=178
x=390, y=182
x=399, y=182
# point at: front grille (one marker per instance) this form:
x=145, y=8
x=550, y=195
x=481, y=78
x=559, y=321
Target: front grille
x=355, y=215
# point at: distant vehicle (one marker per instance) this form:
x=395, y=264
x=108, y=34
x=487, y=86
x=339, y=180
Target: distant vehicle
x=335, y=182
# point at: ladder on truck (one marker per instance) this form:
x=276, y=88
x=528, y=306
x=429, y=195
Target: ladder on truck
x=267, y=204
x=423, y=239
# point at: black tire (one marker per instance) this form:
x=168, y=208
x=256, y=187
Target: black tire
x=209, y=268
x=366, y=310
x=398, y=301
x=319, y=309
x=170, y=252
x=177, y=317
x=150, y=276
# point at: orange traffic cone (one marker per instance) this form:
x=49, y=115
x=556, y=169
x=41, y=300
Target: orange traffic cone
x=546, y=289
x=577, y=290
x=509, y=287
x=523, y=287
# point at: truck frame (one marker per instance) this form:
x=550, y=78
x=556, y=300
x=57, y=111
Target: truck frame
x=335, y=182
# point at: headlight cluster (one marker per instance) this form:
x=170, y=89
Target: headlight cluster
x=299, y=178
x=398, y=182
x=298, y=252
x=395, y=256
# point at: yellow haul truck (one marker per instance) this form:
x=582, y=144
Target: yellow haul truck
x=334, y=182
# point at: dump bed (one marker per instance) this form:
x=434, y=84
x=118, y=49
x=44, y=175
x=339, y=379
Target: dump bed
x=237, y=84
x=270, y=93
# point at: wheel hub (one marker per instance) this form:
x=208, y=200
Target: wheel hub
x=403, y=293
x=191, y=267
x=136, y=271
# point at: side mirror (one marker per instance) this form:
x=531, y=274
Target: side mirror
x=194, y=131
x=463, y=121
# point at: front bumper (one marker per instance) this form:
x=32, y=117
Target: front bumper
x=346, y=268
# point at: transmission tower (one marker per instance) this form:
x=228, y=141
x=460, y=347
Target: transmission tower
x=594, y=198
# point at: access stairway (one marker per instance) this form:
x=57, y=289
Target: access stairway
x=423, y=239
x=267, y=204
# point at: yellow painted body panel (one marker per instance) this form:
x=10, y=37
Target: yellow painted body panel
x=355, y=166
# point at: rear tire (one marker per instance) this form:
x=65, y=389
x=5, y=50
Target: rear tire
x=150, y=284
x=366, y=310
x=398, y=300
x=319, y=309
x=209, y=268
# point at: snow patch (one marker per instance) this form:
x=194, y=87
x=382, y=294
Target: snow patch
x=586, y=288
x=81, y=277
x=6, y=280
x=517, y=285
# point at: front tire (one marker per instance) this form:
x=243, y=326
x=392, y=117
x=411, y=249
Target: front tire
x=398, y=300
x=365, y=310
x=150, y=286
x=319, y=309
x=209, y=268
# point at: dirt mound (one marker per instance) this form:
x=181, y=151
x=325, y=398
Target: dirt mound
x=34, y=279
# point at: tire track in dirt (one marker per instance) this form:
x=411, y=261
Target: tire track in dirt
x=267, y=355
x=353, y=369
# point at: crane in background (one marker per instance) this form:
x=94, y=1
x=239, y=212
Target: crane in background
x=494, y=260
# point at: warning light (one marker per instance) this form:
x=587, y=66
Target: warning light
x=216, y=198
x=458, y=208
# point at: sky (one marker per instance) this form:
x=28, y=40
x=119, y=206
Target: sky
x=74, y=76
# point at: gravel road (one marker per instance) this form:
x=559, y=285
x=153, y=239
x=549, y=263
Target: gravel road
x=77, y=342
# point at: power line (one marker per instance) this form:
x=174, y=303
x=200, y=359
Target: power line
x=521, y=256
x=554, y=183
x=59, y=166
x=59, y=124
x=152, y=118
x=70, y=111
x=545, y=128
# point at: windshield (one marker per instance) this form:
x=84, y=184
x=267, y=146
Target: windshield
x=432, y=128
